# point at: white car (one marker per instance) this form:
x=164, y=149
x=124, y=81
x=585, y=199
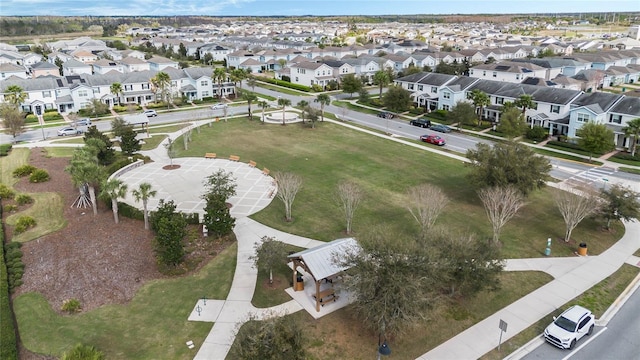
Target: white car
x=82, y=122
x=571, y=326
x=150, y=113
x=218, y=106
x=69, y=131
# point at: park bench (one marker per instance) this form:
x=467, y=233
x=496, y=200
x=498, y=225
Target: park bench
x=327, y=295
x=265, y=171
x=210, y=155
x=234, y=157
x=252, y=163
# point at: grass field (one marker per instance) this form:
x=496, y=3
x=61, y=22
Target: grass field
x=152, y=326
x=385, y=170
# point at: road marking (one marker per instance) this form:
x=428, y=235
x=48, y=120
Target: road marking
x=591, y=338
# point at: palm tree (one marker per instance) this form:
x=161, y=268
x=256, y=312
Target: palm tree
x=284, y=103
x=263, y=104
x=303, y=104
x=252, y=82
x=116, y=89
x=249, y=97
x=114, y=189
x=163, y=81
x=323, y=99
x=480, y=99
x=219, y=75
x=633, y=131
x=525, y=102
x=144, y=192
x=85, y=171
x=381, y=78
x=15, y=95
x=237, y=75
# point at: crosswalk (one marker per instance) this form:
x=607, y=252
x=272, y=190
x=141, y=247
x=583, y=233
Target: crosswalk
x=593, y=177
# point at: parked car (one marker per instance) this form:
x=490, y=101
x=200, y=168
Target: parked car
x=218, y=106
x=423, y=123
x=82, y=122
x=441, y=128
x=386, y=115
x=569, y=327
x=433, y=139
x=150, y=113
x=69, y=131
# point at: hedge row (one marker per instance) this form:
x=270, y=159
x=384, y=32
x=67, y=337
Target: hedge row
x=4, y=149
x=287, y=84
x=8, y=344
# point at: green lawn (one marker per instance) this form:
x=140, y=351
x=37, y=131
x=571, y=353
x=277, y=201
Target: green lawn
x=385, y=170
x=152, y=326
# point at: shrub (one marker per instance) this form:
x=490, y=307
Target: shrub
x=71, y=306
x=38, y=176
x=51, y=116
x=24, y=223
x=287, y=84
x=24, y=170
x=8, y=343
x=4, y=149
x=6, y=192
x=118, y=164
x=537, y=133
x=24, y=199
x=10, y=207
x=83, y=352
x=417, y=111
x=31, y=118
x=129, y=211
x=627, y=156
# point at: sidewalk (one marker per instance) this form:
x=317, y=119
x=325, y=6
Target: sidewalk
x=573, y=276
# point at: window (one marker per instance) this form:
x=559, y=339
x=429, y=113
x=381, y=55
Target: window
x=484, y=73
x=517, y=76
x=470, y=72
x=83, y=93
x=145, y=86
x=583, y=117
x=204, y=83
x=500, y=100
x=445, y=107
x=297, y=79
x=46, y=94
x=205, y=94
x=616, y=119
x=446, y=95
x=495, y=74
x=96, y=91
x=410, y=86
x=420, y=87
x=434, y=89
x=555, y=109
x=128, y=87
x=534, y=106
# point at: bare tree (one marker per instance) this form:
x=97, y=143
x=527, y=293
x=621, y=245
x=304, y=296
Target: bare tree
x=501, y=204
x=575, y=206
x=426, y=202
x=288, y=186
x=349, y=197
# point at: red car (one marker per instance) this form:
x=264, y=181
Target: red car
x=433, y=139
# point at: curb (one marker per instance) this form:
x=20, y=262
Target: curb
x=525, y=349
x=617, y=304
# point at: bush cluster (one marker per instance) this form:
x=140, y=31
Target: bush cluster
x=627, y=156
x=287, y=84
x=71, y=306
x=15, y=266
x=129, y=211
x=24, y=170
x=537, y=133
x=8, y=344
x=6, y=192
x=24, y=199
x=10, y=208
x=24, y=223
x=566, y=145
x=38, y=176
x=4, y=149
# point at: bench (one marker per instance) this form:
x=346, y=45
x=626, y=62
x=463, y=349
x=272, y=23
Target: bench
x=210, y=155
x=326, y=295
x=265, y=171
x=252, y=163
x=234, y=157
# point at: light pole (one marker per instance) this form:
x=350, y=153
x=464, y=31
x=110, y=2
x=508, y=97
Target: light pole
x=384, y=349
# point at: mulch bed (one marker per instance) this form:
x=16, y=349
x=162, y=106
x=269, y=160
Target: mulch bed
x=92, y=259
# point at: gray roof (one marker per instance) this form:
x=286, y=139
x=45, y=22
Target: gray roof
x=436, y=79
x=539, y=93
x=604, y=100
x=462, y=82
x=43, y=65
x=321, y=260
x=628, y=105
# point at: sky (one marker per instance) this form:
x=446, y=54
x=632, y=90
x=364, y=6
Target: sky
x=305, y=7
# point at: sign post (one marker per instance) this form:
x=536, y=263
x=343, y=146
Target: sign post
x=503, y=328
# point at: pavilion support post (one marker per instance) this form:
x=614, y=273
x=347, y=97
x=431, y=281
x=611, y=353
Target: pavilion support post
x=295, y=273
x=317, y=296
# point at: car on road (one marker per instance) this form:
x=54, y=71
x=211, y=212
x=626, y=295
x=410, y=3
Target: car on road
x=433, y=139
x=82, y=122
x=150, y=113
x=69, y=131
x=218, y=106
x=386, y=115
x=441, y=128
x=423, y=123
x=572, y=325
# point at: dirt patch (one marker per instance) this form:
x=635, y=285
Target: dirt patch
x=170, y=167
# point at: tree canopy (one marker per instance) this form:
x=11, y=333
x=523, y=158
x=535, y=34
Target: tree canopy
x=508, y=164
x=595, y=138
x=397, y=99
x=351, y=84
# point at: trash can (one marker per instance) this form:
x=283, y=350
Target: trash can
x=582, y=249
x=299, y=285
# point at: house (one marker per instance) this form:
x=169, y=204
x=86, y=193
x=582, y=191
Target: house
x=217, y=52
x=508, y=71
x=84, y=56
x=425, y=88
x=104, y=66
x=133, y=64
x=160, y=63
x=312, y=73
x=8, y=70
x=363, y=67
x=44, y=68
x=75, y=67
x=593, y=107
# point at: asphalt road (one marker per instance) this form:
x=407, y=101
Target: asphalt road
x=619, y=340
